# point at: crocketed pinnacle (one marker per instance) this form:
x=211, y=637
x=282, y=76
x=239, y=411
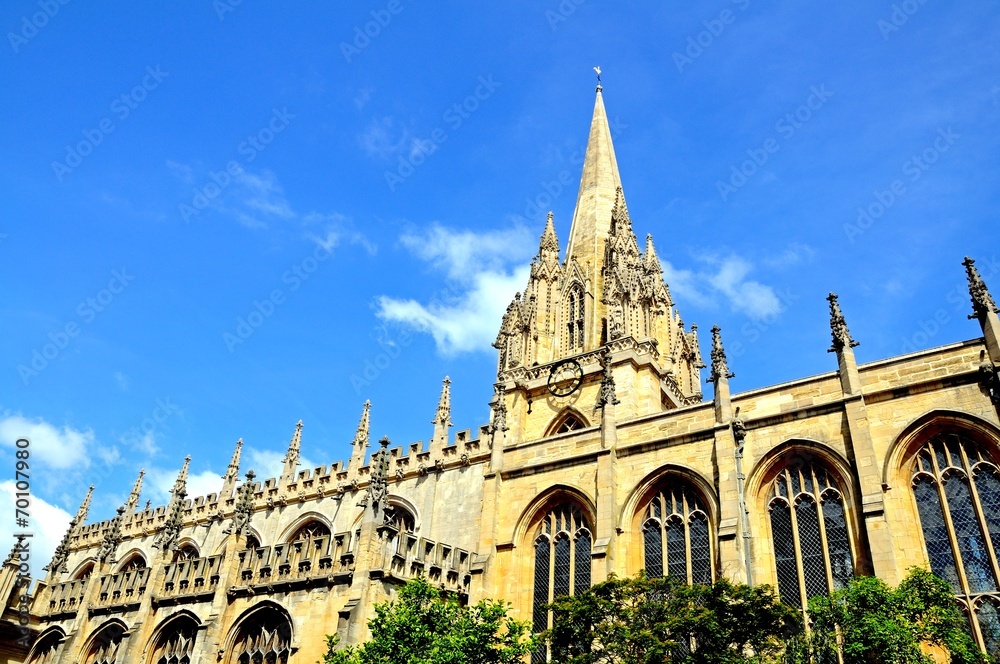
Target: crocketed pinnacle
x=838, y=327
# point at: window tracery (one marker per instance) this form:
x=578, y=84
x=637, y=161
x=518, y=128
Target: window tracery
x=676, y=536
x=176, y=644
x=105, y=645
x=264, y=638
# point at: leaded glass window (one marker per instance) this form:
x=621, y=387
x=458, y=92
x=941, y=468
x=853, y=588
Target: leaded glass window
x=676, y=536
x=310, y=531
x=105, y=646
x=562, y=563
x=46, y=649
x=176, y=643
x=265, y=638
x=574, y=321
x=812, y=547
x=957, y=490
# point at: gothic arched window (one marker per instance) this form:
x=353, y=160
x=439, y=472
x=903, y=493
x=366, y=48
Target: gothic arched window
x=186, y=552
x=562, y=563
x=263, y=638
x=46, y=648
x=85, y=573
x=404, y=521
x=957, y=491
x=105, y=644
x=574, y=318
x=812, y=548
x=309, y=531
x=676, y=536
x=135, y=562
x=176, y=642
x=252, y=542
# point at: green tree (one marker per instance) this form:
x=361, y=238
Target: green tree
x=642, y=620
x=877, y=624
x=420, y=627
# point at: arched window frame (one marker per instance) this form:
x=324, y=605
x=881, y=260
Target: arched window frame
x=563, y=542
x=947, y=469
x=575, y=317
x=105, y=645
x=133, y=562
x=673, y=509
x=265, y=625
x=46, y=649
x=814, y=502
x=174, y=642
x=310, y=530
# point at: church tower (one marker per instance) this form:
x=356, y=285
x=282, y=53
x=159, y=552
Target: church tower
x=606, y=295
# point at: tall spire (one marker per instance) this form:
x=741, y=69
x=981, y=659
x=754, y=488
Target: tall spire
x=598, y=191
x=81, y=514
x=133, y=498
x=364, y=426
x=650, y=260
x=232, y=475
x=548, y=248
x=292, y=456
x=442, y=419
x=180, y=484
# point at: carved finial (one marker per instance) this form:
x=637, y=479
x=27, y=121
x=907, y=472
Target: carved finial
x=294, y=446
x=720, y=368
x=443, y=416
x=549, y=245
x=607, y=393
x=598, y=70
x=619, y=213
x=982, y=301
x=499, y=422
x=838, y=326
x=364, y=425
x=233, y=471
x=81, y=514
x=112, y=538
x=651, y=261
x=14, y=557
x=375, y=494
x=167, y=538
x=180, y=484
x=133, y=498
x=244, y=507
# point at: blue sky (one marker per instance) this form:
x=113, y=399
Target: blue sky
x=364, y=185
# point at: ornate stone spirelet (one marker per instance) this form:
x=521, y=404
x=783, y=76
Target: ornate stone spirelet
x=607, y=394
x=377, y=491
x=720, y=367
x=112, y=538
x=244, y=507
x=500, y=410
x=58, y=563
x=838, y=327
x=167, y=539
x=982, y=301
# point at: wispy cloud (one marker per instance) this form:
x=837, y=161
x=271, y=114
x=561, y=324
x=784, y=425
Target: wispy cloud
x=726, y=278
x=486, y=269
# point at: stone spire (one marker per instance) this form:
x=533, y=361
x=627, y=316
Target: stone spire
x=838, y=327
x=292, y=456
x=720, y=378
x=112, y=538
x=650, y=260
x=442, y=420
x=984, y=309
x=377, y=491
x=359, y=445
x=843, y=346
x=720, y=367
x=58, y=563
x=363, y=432
x=548, y=248
x=81, y=514
x=232, y=472
x=167, y=537
x=598, y=191
x=133, y=498
x=240, y=522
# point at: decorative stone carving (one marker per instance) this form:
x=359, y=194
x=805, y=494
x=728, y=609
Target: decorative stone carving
x=58, y=563
x=607, y=394
x=838, y=327
x=112, y=538
x=982, y=301
x=720, y=367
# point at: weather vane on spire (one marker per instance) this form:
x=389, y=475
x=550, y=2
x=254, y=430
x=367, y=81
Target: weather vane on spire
x=598, y=70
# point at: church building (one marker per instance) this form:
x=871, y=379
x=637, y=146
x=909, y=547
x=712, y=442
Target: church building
x=602, y=455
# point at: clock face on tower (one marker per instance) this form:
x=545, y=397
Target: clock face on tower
x=565, y=378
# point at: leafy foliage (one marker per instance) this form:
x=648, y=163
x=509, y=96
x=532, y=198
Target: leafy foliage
x=643, y=620
x=881, y=625
x=420, y=627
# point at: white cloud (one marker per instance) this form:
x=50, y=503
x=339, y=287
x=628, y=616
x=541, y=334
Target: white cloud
x=468, y=324
x=726, y=278
x=486, y=270
x=47, y=526
x=56, y=448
